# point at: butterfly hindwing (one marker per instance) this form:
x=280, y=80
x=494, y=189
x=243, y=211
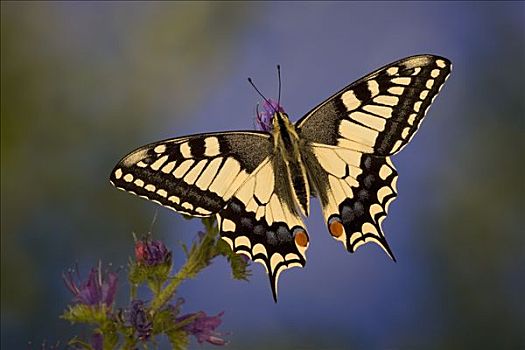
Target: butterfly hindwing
x=194, y=175
x=261, y=222
x=381, y=112
x=355, y=190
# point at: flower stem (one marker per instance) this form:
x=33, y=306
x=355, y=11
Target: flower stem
x=199, y=257
x=165, y=295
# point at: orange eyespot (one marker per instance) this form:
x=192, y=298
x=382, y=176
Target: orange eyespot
x=301, y=238
x=336, y=227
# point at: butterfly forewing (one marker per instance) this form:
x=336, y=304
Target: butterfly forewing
x=347, y=140
x=232, y=174
x=194, y=175
x=381, y=112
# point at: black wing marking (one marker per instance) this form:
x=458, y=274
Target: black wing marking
x=194, y=175
x=381, y=112
x=260, y=221
x=355, y=190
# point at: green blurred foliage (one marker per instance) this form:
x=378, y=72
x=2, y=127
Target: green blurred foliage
x=476, y=234
x=79, y=84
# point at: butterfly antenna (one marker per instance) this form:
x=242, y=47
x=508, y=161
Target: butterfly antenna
x=279, y=76
x=265, y=99
x=258, y=119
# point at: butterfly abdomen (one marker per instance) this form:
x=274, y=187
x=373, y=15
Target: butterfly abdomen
x=300, y=186
x=286, y=143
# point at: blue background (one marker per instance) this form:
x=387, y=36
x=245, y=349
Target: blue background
x=84, y=83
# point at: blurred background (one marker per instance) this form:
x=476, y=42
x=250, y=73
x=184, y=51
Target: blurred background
x=82, y=84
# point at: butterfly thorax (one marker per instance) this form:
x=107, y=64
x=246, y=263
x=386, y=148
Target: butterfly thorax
x=286, y=146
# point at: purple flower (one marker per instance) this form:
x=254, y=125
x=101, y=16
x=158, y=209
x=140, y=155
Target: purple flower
x=98, y=289
x=152, y=253
x=264, y=118
x=203, y=327
x=97, y=341
x=139, y=319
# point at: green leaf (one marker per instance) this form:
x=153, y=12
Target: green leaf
x=179, y=339
x=77, y=343
x=80, y=313
x=153, y=276
x=237, y=262
x=110, y=335
x=163, y=321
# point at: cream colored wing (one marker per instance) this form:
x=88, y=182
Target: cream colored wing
x=194, y=175
x=260, y=221
x=380, y=113
x=355, y=190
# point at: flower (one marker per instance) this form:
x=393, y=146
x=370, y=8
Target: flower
x=97, y=290
x=139, y=319
x=203, y=327
x=152, y=253
x=97, y=341
x=264, y=118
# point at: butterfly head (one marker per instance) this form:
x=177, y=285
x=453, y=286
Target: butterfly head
x=270, y=114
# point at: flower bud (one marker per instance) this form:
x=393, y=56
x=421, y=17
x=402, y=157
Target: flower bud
x=152, y=253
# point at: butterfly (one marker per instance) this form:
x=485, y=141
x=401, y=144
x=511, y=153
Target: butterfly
x=258, y=184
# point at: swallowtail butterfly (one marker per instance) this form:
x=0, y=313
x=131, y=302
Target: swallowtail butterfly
x=258, y=184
